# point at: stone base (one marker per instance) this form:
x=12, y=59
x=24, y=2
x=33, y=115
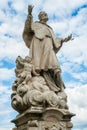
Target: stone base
x=47, y=119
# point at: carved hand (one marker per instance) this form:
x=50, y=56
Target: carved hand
x=29, y=17
x=30, y=8
x=67, y=38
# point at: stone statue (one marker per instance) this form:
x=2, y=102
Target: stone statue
x=38, y=90
x=39, y=73
x=43, y=45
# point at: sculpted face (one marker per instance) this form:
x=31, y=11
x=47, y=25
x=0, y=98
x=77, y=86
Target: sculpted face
x=43, y=17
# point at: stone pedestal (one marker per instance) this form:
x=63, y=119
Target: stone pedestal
x=47, y=119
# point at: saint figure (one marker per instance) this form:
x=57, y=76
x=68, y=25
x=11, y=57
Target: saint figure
x=43, y=44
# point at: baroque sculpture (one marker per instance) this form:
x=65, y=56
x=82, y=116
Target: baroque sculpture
x=38, y=91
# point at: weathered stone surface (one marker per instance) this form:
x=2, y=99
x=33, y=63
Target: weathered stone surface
x=38, y=90
x=39, y=119
x=37, y=93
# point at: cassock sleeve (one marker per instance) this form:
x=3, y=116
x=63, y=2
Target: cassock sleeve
x=27, y=34
x=57, y=44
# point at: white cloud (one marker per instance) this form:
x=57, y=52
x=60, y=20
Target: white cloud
x=3, y=88
x=75, y=4
x=4, y=112
x=18, y=5
x=59, y=27
x=76, y=49
x=11, y=48
x=62, y=8
x=2, y=15
x=3, y=3
x=82, y=76
x=6, y=74
x=11, y=40
x=5, y=92
x=5, y=128
x=77, y=104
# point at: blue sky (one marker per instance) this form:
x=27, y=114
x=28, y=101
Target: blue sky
x=65, y=17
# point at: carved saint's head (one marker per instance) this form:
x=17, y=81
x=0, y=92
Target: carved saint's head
x=43, y=17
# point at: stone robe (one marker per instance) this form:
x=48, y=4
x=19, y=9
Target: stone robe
x=43, y=46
